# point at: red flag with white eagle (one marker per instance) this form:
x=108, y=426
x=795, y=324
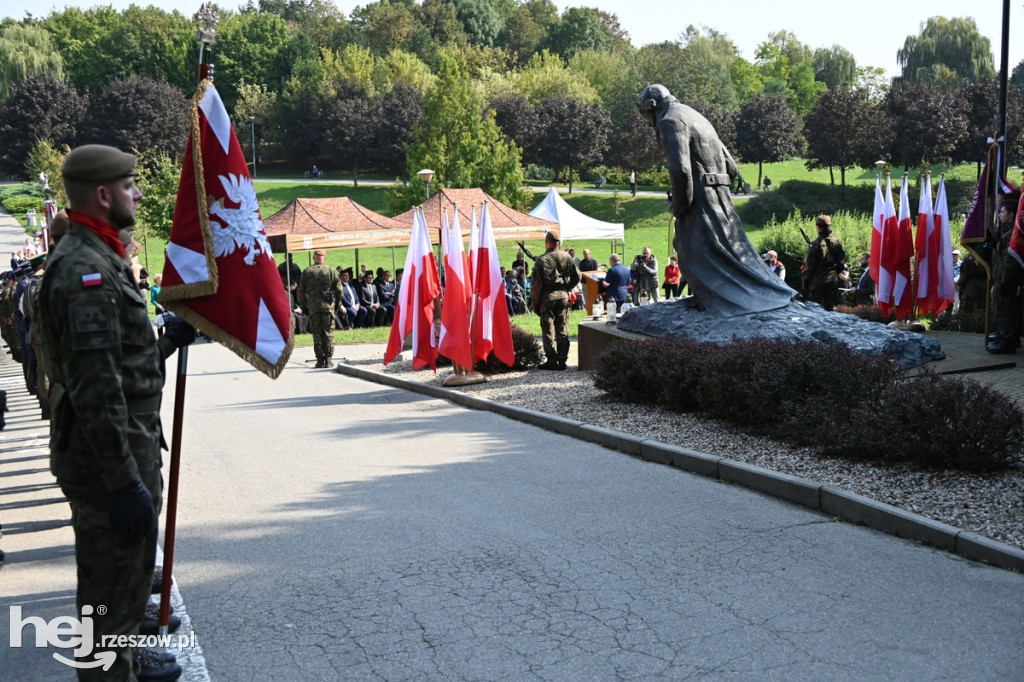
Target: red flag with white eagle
x=220, y=274
x=454, y=342
x=492, y=329
x=414, y=309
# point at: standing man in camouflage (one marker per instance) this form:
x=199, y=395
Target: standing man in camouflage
x=824, y=260
x=555, y=274
x=319, y=290
x=107, y=374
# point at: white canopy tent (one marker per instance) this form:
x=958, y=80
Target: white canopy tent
x=574, y=225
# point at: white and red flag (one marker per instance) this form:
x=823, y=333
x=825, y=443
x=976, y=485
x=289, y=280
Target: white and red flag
x=1017, y=237
x=877, y=227
x=492, y=329
x=901, y=254
x=935, y=286
x=414, y=308
x=454, y=342
x=887, y=237
x=220, y=274
x=946, y=290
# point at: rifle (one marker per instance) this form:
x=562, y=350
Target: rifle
x=804, y=235
x=527, y=251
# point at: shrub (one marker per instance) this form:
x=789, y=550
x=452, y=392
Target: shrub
x=937, y=422
x=527, y=349
x=22, y=204
x=832, y=397
x=971, y=323
x=637, y=372
x=542, y=173
x=871, y=313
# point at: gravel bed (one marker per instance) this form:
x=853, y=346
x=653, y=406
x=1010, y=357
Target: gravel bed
x=989, y=504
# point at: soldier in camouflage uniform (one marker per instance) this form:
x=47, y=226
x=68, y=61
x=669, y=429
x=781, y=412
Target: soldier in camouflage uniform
x=107, y=375
x=555, y=274
x=319, y=290
x=824, y=260
x=7, y=316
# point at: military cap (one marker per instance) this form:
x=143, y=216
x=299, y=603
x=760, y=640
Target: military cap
x=24, y=268
x=97, y=163
x=37, y=262
x=552, y=235
x=320, y=252
x=823, y=221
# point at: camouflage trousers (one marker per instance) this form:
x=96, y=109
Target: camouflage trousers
x=321, y=325
x=554, y=329
x=113, y=573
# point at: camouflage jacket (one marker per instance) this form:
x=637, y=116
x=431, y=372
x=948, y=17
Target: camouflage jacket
x=315, y=282
x=104, y=358
x=554, y=275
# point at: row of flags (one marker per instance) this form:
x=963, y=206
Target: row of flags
x=894, y=245
x=220, y=274
x=474, y=317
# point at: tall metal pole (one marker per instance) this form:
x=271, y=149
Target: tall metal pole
x=1004, y=69
x=252, y=129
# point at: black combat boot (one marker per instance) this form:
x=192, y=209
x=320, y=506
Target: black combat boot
x=157, y=668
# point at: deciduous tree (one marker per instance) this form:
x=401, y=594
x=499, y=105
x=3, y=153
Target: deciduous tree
x=928, y=122
x=863, y=134
x=138, y=113
x=766, y=131
x=573, y=135
x=29, y=115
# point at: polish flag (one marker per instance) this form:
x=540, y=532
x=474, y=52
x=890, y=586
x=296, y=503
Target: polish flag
x=927, y=252
x=414, y=308
x=877, y=227
x=902, y=253
x=491, y=327
x=886, y=275
x=454, y=342
x=946, y=289
x=220, y=274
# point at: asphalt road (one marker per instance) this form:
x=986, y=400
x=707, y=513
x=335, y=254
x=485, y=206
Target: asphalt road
x=333, y=529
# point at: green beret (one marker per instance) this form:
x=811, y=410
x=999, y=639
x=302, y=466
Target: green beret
x=97, y=163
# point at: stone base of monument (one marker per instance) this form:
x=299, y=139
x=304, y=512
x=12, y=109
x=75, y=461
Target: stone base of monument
x=797, y=321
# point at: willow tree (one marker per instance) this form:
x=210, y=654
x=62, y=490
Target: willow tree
x=26, y=50
x=954, y=44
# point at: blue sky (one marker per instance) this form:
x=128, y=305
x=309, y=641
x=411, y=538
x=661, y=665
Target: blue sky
x=872, y=36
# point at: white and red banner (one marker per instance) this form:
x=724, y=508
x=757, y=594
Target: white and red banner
x=454, y=342
x=491, y=329
x=902, y=290
x=935, y=288
x=887, y=246
x=877, y=228
x=220, y=274
x=414, y=308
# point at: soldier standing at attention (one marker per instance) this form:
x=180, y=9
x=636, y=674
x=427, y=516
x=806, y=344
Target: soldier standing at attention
x=106, y=384
x=555, y=274
x=319, y=289
x=825, y=258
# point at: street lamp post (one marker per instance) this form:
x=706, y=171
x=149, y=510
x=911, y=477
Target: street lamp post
x=426, y=175
x=252, y=129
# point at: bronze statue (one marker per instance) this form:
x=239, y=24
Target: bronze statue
x=724, y=271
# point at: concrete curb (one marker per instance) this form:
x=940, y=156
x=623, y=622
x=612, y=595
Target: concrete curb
x=827, y=499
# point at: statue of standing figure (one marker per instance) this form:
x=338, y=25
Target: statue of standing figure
x=724, y=271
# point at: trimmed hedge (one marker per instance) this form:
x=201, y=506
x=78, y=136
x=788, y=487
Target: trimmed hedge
x=831, y=397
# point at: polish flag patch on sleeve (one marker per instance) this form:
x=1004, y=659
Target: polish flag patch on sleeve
x=93, y=279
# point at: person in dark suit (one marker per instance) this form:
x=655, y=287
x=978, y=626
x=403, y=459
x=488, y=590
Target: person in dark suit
x=386, y=293
x=355, y=312
x=370, y=301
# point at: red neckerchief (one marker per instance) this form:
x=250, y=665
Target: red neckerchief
x=102, y=229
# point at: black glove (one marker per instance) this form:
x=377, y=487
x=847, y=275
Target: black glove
x=179, y=331
x=133, y=515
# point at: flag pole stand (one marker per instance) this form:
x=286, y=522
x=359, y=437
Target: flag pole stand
x=462, y=377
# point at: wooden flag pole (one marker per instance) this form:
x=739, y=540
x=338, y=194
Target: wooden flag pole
x=206, y=36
